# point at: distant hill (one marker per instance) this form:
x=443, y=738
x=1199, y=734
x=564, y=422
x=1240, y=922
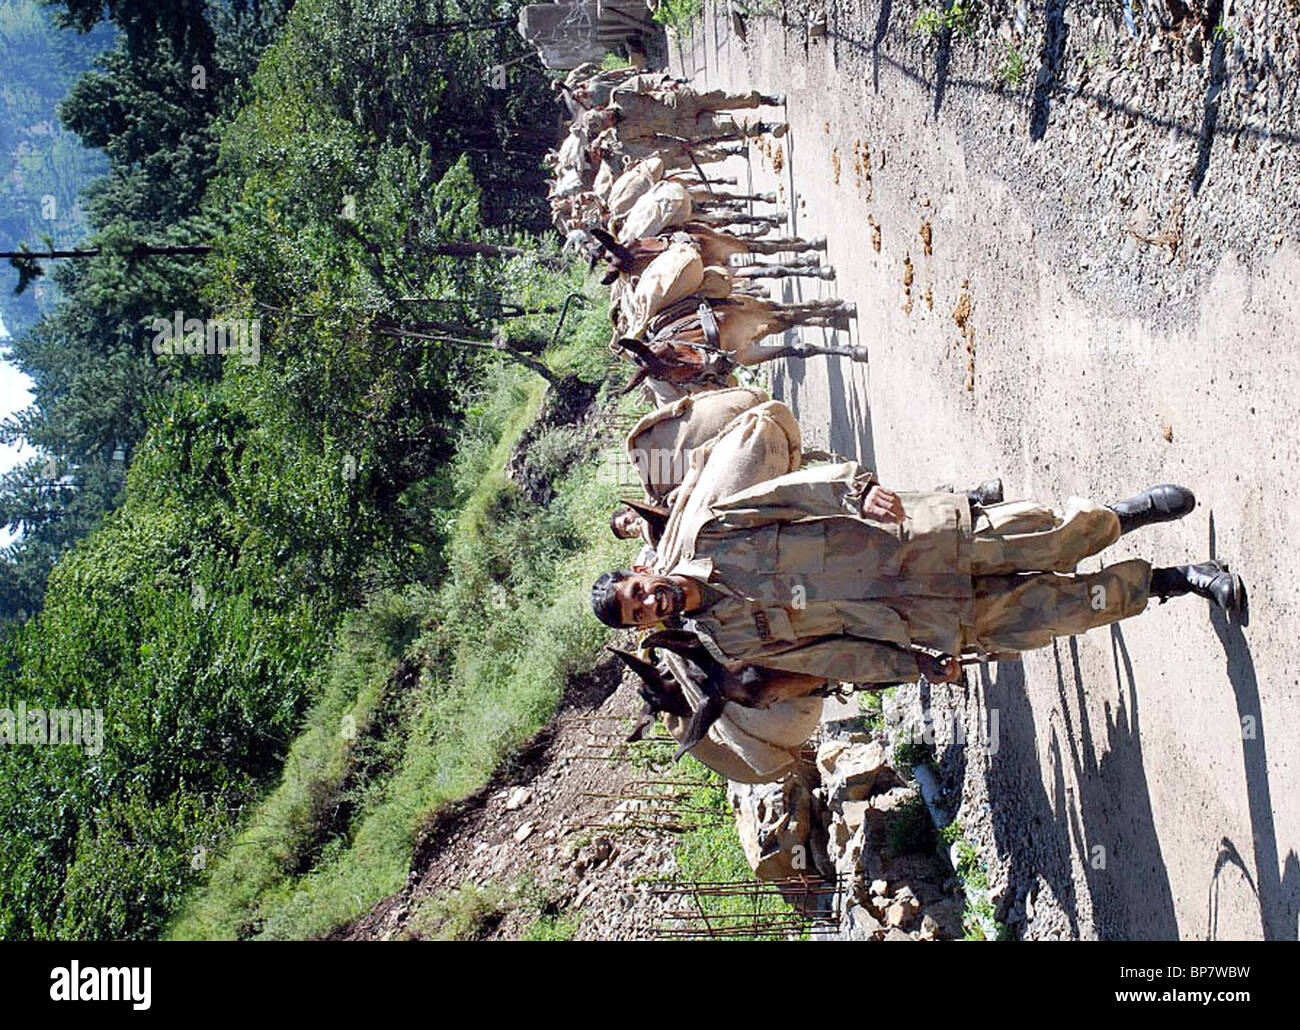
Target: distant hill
x=42, y=166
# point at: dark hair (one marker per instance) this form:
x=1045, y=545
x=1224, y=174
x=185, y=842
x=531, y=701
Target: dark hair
x=604, y=602
x=613, y=521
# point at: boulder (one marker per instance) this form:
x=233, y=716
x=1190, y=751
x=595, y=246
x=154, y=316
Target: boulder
x=858, y=924
x=774, y=823
x=851, y=770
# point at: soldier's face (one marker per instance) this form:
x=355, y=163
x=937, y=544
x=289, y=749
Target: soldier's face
x=627, y=524
x=645, y=599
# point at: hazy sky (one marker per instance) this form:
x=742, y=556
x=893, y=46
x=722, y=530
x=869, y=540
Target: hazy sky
x=15, y=394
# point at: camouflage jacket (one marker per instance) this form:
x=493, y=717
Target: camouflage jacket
x=812, y=586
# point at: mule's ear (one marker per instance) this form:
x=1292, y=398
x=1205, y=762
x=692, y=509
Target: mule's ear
x=634, y=346
x=638, y=377
x=604, y=238
x=640, y=666
x=610, y=276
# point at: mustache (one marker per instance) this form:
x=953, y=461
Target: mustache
x=676, y=593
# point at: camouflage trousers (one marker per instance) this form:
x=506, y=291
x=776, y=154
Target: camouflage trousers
x=688, y=114
x=1023, y=557
x=713, y=100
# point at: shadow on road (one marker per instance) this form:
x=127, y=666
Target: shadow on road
x=882, y=27
x=1210, y=118
x=1028, y=827
x=1049, y=67
x=1104, y=816
x=1276, y=886
x=941, y=61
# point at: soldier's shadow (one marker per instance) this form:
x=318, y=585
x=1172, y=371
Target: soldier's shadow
x=1102, y=822
x=1276, y=887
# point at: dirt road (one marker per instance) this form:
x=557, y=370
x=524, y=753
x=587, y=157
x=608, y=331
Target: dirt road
x=1082, y=278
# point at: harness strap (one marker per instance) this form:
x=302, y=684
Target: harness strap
x=709, y=323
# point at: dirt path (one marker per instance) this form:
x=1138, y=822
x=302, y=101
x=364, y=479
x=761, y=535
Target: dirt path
x=549, y=823
x=1086, y=284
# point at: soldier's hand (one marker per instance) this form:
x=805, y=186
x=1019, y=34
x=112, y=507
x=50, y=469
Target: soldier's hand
x=883, y=505
x=938, y=670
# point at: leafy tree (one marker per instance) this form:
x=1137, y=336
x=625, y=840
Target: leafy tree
x=208, y=522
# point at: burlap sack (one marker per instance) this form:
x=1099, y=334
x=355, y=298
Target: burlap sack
x=748, y=745
x=676, y=273
x=760, y=444
x=665, y=203
x=604, y=181
x=632, y=185
x=660, y=444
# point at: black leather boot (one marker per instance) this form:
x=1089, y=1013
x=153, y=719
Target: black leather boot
x=988, y=492
x=1208, y=579
x=1162, y=503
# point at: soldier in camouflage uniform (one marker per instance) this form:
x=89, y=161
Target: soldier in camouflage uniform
x=682, y=112
x=825, y=572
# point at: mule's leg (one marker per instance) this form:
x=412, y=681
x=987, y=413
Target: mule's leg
x=764, y=198
x=821, y=305
x=757, y=271
x=716, y=152
x=744, y=260
x=772, y=220
x=799, y=349
x=718, y=202
x=794, y=244
x=693, y=179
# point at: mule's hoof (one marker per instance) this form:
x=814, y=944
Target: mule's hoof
x=768, y=198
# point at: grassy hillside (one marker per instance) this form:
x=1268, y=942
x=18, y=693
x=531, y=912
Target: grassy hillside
x=428, y=689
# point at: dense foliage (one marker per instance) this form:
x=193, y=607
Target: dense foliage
x=213, y=519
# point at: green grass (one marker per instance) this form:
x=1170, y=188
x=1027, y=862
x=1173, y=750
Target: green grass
x=679, y=14
x=468, y=913
x=960, y=19
x=1013, y=69
x=484, y=658
x=871, y=706
x=551, y=928
x=978, y=917
x=471, y=913
x=908, y=829
x=711, y=851
x=910, y=751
